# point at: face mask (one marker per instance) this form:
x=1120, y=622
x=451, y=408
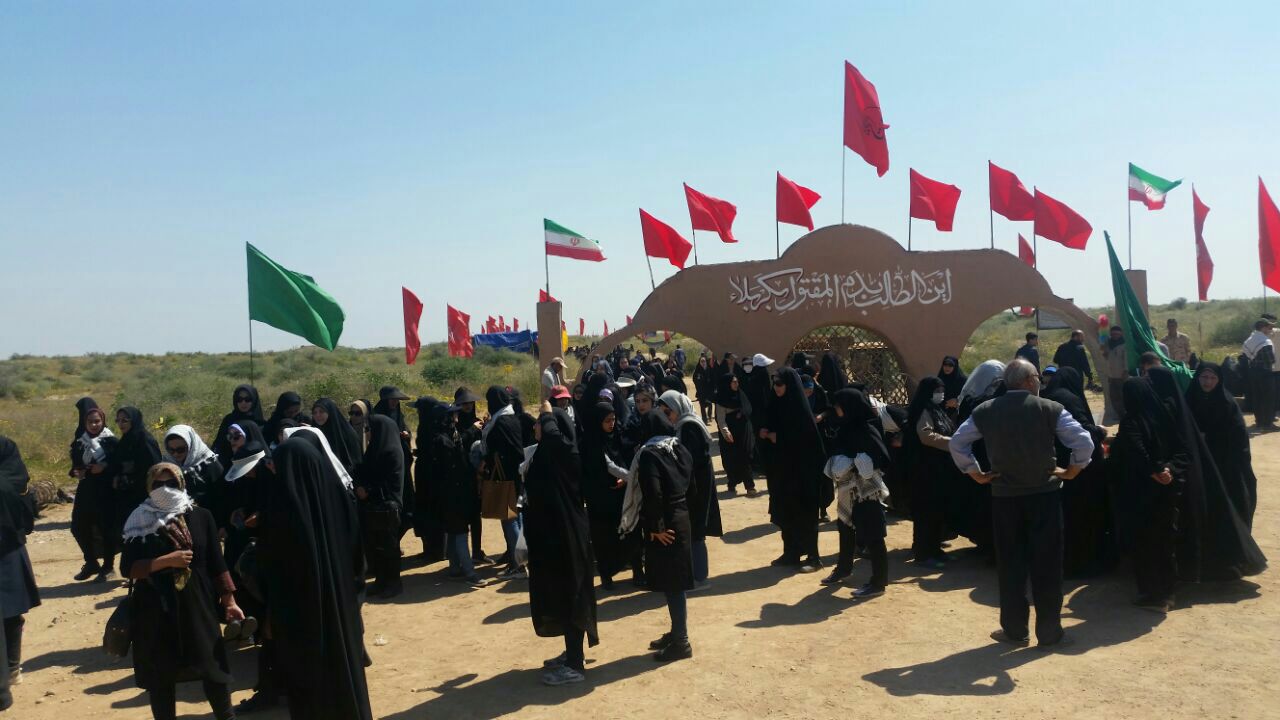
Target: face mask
x=938, y=397
x=167, y=498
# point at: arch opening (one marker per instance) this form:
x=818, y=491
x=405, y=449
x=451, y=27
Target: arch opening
x=867, y=357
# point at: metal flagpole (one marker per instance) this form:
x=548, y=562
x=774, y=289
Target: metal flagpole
x=1130, y=204
x=546, y=260
x=842, y=159
x=693, y=233
x=249, y=299
x=251, y=350
x=652, y=284
x=991, y=215
x=777, y=240
x=908, y=232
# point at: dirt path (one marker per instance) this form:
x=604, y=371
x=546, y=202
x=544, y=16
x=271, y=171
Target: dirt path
x=766, y=642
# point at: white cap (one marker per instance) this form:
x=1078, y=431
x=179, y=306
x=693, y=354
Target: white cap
x=761, y=360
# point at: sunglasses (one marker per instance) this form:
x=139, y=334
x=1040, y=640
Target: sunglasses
x=244, y=399
x=356, y=413
x=170, y=483
x=176, y=450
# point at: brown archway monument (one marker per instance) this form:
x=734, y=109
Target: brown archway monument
x=923, y=304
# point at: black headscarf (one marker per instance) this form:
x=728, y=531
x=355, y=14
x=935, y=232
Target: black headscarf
x=732, y=399
x=831, y=373
x=1067, y=389
x=497, y=398
x=311, y=539
x=801, y=363
x=428, y=419
x=254, y=441
x=220, y=444
x=673, y=382
x=922, y=403
x=383, y=407
x=655, y=424
x=1212, y=409
x=83, y=406
x=137, y=446
x=342, y=438
x=283, y=403
x=17, y=510
x=860, y=430
x=953, y=383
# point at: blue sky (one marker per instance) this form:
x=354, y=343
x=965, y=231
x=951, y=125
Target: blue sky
x=421, y=144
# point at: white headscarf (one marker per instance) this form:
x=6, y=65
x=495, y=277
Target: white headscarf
x=1254, y=343
x=680, y=403
x=93, y=452
x=333, y=459
x=162, y=505
x=981, y=379
x=197, y=452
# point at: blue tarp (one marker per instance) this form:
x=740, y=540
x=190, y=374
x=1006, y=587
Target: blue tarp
x=521, y=342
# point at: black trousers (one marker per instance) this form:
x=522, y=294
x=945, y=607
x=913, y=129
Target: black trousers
x=1262, y=395
x=800, y=538
x=164, y=701
x=1028, y=539
x=1155, y=566
x=928, y=519
x=869, y=531
x=93, y=526
x=574, y=655
x=477, y=536
x=382, y=549
x=707, y=407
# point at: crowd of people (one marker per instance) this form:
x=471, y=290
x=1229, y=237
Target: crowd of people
x=267, y=535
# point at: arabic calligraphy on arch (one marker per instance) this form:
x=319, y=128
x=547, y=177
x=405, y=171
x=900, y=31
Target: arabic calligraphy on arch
x=785, y=291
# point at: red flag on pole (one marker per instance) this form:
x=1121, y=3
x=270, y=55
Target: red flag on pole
x=582, y=326
x=1204, y=263
x=933, y=200
x=794, y=202
x=863, y=124
x=490, y=325
x=1009, y=197
x=544, y=296
x=1268, y=238
x=606, y=326
x=628, y=319
x=662, y=241
x=515, y=324
x=708, y=213
x=563, y=327
x=1025, y=253
x=1059, y=223
x=502, y=324
x=459, y=325
x=412, y=314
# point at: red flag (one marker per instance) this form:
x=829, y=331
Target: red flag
x=1059, y=223
x=628, y=319
x=515, y=324
x=490, y=325
x=544, y=296
x=412, y=314
x=1268, y=238
x=582, y=326
x=1025, y=253
x=606, y=326
x=1204, y=263
x=502, y=324
x=662, y=241
x=459, y=324
x=794, y=202
x=933, y=200
x=1008, y=195
x=863, y=124
x=562, y=327
x=708, y=213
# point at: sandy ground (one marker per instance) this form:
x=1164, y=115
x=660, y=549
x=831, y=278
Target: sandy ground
x=766, y=642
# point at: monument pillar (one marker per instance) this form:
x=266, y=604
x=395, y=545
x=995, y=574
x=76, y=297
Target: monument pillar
x=549, y=317
x=1138, y=281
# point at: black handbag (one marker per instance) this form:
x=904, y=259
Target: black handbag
x=118, y=636
x=380, y=516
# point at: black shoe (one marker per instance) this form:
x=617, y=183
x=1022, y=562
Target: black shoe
x=257, y=702
x=812, y=565
x=785, y=561
x=1064, y=641
x=606, y=583
x=868, y=591
x=836, y=576
x=391, y=591
x=103, y=575
x=675, y=650
x=88, y=571
x=6, y=699
x=661, y=642
x=374, y=589
x=1000, y=636
x=752, y=493
x=479, y=559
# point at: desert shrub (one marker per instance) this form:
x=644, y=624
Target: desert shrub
x=445, y=371
x=1233, y=330
x=1179, y=303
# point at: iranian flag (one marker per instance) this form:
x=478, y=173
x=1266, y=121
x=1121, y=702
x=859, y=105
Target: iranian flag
x=563, y=242
x=1149, y=189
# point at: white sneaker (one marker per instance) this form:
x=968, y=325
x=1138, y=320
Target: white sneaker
x=562, y=675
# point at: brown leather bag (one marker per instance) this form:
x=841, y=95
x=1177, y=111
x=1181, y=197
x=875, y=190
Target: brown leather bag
x=497, y=494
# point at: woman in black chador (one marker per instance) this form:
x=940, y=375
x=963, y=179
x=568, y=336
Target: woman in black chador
x=1088, y=545
x=337, y=429
x=378, y=486
x=171, y=553
x=128, y=462
x=796, y=482
x=562, y=600
x=602, y=488
x=18, y=592
x=245, y=405
x=704, y=506
x=737, y=439
x=929, y=470
x=427, y=518
x=860, y=502
x=93, y=521
x=288, y=405
x=311, y=542
x=1220, y=420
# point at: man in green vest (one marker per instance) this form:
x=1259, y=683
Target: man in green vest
x=1019, y=429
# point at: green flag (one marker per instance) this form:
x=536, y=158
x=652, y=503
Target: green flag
x=1139, y=338
x=291, y=301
